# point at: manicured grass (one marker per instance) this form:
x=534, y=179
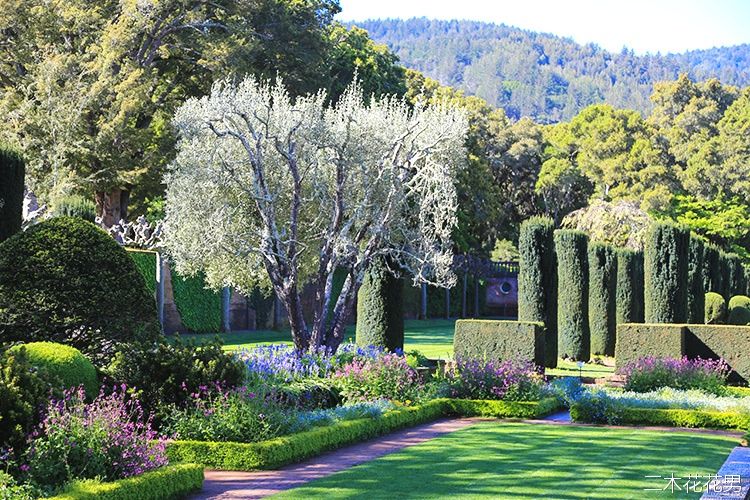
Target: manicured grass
x=434, y=338
x=514, y=460
x=570, y=369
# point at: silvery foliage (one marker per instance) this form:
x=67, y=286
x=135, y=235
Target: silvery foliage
x=270, y=190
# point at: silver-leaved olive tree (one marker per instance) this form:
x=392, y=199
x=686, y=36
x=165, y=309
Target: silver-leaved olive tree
x=279, y=192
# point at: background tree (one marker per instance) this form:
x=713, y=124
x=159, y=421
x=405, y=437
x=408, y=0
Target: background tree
x=267, y=189
x=88, y=93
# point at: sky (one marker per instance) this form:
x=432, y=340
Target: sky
x=641, y=25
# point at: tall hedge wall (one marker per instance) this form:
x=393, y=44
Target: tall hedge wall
x=12, y=175
x=696, y=297
x=537, y=280
x=602, y=303
x=713, y=279
x=629, y=288
x=145, y=261
x=574, y=340
x=665, y=259
x=199, y=307
x=380, y=311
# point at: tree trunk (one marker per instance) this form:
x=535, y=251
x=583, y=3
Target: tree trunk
x=112, y=205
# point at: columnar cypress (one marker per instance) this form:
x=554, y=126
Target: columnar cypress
x=537, y=280
x=696, y=298
x=380, y=314
x=736, y=280
x=726, y=287
x=573, y=291
x=747, y=281
x=665, y=258
x=712, y=276
x=629, y=286
x=602, y=304
x=12, y=174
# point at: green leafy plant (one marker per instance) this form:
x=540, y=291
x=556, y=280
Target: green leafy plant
x=573, y=289
x=66, y=365
x=716, y=309
x=171, y=481
x=163, y=374
x=389, y=377
x=65, y=280
x=238, y=415
x=23, y=393
x=75, y=206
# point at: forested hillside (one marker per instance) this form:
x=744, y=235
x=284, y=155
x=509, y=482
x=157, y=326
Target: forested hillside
x=546, y=77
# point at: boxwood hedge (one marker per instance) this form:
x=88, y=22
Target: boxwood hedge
x=171, y=481
x=500, y=340
x=283, y=450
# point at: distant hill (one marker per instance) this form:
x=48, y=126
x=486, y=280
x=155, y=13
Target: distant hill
x=547, y=77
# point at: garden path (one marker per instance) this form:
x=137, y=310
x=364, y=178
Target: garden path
x=225, y=485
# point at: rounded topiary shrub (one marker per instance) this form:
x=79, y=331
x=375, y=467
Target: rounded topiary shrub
x=65, y=280
x=716, y=308
x=739, y=310
x=65, y=365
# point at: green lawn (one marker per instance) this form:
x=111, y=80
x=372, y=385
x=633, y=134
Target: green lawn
x=434, y=338
x=514, y=460
x=570, y=369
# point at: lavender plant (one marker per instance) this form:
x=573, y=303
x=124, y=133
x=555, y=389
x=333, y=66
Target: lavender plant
x=388, y=376
x=282, y=363
x=480, y=379
x=109, y=438
x=650, y=373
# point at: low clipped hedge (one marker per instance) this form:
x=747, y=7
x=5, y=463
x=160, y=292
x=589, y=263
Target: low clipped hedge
x=685, y=418
x=500, y=340
x=171, y=481
x=283, y=450
x=501, y=409
x=64, y=364
x=715, y=309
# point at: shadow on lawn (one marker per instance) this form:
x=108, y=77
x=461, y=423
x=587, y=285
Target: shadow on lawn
x=510, y=460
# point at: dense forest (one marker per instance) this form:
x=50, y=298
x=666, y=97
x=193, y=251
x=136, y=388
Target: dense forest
x=543, y=76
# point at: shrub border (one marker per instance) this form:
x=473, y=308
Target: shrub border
x=283, y=450
x=676, y=417
x=170, y=481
